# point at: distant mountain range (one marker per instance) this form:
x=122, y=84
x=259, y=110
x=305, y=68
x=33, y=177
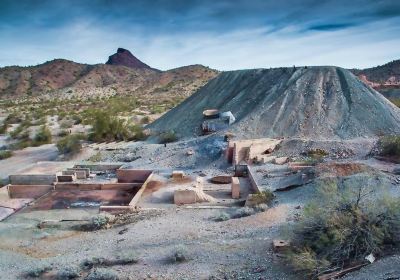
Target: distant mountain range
x=385, y=78
x=123, y=73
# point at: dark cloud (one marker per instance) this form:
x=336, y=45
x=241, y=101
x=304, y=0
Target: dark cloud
x=331, y=26
x=47, y=24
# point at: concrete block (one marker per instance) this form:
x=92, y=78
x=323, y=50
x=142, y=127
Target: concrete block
x=235, y=188
x=86, y=170
x=66, y=178
x=178, y=174
x=184, y=197
x=265, y=159
x=281, y=160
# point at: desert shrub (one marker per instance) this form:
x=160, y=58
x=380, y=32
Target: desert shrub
x=343, y=226
x=108, y=128
x=67, y=273
x=168, y=137
x=224, y=216
x=70, y=144
x=77, y=119
x=389, y=146
x=317, y=153
x=5, y=154
x=145, y=120
x=3, y=128
x=65, y=124
x=63, y=133
x=138, y=133
x=243, y=212
x=38, y=271
x=43, y=136
x=264, y=197
x=102, y=274
x=100, y=222
x=179, y=254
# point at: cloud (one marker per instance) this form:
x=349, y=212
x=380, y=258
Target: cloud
x=224, y=34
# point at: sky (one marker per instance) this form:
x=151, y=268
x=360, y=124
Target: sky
x=221, y=34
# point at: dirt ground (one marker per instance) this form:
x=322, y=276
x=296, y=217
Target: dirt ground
x=238, y=248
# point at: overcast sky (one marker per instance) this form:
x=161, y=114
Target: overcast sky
x=222, y=34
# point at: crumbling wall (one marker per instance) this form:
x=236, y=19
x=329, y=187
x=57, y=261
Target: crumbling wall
x=247, y=150
x=32, y=179
x=28, y=191
x=132, y=175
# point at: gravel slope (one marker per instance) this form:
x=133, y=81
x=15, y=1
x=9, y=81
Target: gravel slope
x=315, y=102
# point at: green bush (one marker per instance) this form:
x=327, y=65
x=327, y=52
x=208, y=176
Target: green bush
x=342, y=226
x=37, y=272
x=67, y=273
x=389, y=146
x=108, y=128
x=168, y=137
x=264, y=197
x=43, y=136
x=180, y=254
x=102, y=274
x=222, y=217
x=5, y=154
x=70, y=144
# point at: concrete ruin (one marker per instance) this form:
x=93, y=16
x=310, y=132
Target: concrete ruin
x=252, y=150
x=76, y=187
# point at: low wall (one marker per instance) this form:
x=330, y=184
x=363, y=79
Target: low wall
x=138, y=195
x=28, y=191
x=99, y=167
x=32, y=179
x=132, y=175
x=252, y=180
x=97, y=186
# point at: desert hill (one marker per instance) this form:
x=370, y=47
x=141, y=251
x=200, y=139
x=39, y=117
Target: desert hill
x=313, y=102
x=384, y=78
x=124, y=74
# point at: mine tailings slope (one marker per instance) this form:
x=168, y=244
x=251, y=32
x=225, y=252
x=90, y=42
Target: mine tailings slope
x=321, y=102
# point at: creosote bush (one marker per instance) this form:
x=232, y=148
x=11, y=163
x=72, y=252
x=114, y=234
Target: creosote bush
x=180, y=254
x=102, y=274
x=67, y=273
x=43, y=136
x=5, y=154
x=264, y=197
x=389, y=146
x=168, y=137
x=70, y=144
x=108, y=128
x=342, y=226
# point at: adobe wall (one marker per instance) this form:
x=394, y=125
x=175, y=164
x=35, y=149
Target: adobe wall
x=253, y=182
x=99, y=167
x=97, y=186
x=243, y=150
x=138, y=195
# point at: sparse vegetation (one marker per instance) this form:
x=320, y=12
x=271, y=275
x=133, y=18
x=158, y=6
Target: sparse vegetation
x=343, y=226
x=264, y=197
x=102, y=274
x=224, y=216
x=317, y=154
x=5, y=154
x=180, y=254
x=390, y=146
x=42, y=137
x=168, y=137
x=70, y=145
x=37, y=272
x=67, y=273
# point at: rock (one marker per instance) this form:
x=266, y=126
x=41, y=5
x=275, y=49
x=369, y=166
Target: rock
x=281, y=160
x=126, y=58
